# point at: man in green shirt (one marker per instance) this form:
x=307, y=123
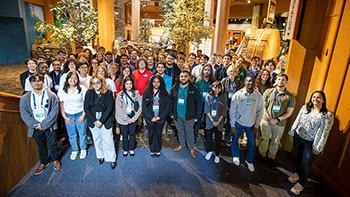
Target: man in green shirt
x=278, y=107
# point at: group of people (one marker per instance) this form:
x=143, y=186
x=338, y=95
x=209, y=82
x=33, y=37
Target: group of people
x=223, y=94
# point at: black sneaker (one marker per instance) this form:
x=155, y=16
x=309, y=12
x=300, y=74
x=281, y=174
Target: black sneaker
x=113, y=165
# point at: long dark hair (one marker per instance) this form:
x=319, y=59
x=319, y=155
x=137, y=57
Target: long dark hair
x=258, y=79
x=65, y=66
x=211, y=76
x=66, y=84
x=121, y=76
x=133, y=85
x=216, y=83
x=149, y=89
x=310, y=105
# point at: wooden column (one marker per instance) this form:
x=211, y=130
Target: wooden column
x=220, y=35
x=135, y=18
x=209, y=8
x=106, y=23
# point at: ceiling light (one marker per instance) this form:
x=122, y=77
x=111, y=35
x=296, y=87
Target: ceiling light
x=248, y=1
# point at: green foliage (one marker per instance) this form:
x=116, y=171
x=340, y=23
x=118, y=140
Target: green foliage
x=145, y=30
x=75, y=21
x=185, y=21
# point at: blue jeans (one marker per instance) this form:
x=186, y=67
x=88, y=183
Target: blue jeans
x=251, y=142
x=73, y=130
x=304, y=158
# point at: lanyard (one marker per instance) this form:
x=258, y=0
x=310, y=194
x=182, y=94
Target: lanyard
x=204, y=84
x=229, y=85
x=115, y=78
x=223, y=72
x=274, y=100
x=172, y=69
x=154, y=96
x=212, y=102
x=42, y=99
x=126, y=99
x=54, y=78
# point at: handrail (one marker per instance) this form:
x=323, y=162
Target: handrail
x=9, y=102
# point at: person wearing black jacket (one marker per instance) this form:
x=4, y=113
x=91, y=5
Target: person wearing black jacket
x=155, y=107
x=171, y=68
x=98, y=106
x=187, y=107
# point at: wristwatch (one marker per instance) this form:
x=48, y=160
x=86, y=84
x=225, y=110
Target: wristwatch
x=278, y=119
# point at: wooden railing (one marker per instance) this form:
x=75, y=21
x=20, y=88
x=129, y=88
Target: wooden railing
x=18, y=153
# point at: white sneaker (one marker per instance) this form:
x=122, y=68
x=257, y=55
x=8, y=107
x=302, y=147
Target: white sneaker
x=236, y=161
x=297, y=189
x=250, y=166
x=217, y=159
x=74, y=155
x=208, y=156
x=83, y=154
x=293, y=178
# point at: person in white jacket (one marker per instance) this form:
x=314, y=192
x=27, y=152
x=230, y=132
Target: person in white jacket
x=246, y=112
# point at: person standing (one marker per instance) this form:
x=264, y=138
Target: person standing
x=160, y=69
x=98, y=106
x=310, y=131
x=246, y=112
x=155, y=109
x=278, y=107
x=171, y=68
x=39, y=110
x=231, y=84
x=187, y=108
x=141, y=75
x=220, y=72
x=128, y=110
x=55, y=75
x=31, y=64
x=126, y=72
x=215, y=109
x=71, y=97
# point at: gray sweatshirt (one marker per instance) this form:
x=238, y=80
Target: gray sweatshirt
x=49, y=123
x=121, y=108
x=246, y=109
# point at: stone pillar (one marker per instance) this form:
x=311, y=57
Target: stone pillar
x=119, y=20
x=209, y=8
x=220, y=34
x=135, y=18
x=106, y=23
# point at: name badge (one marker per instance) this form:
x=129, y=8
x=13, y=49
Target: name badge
x=155, y=108
x=128, y=110
x=276, y=108
x=181, y=101
x=205, y=94
x=247, y=101
x=57, y=87
x=39, y=114
x=230, y=95
x=213, y=113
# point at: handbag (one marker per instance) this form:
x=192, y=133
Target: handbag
x=136, y=106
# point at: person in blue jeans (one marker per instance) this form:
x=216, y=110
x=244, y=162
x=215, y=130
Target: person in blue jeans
x=310, y=132
x=71, y=97
x=246, y=112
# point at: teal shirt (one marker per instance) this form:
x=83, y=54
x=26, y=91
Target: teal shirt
x=242, y=73
x=181, y=106
x=203, y=86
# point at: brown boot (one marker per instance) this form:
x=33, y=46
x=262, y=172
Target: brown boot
x=193, y=153
x=40, y=169
x=56, y=165
x=177, y=149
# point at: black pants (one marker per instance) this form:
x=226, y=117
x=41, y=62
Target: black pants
x=128, y=133
x=155, y=136
x=42, y=138
x=209, y=141
x=304, y=158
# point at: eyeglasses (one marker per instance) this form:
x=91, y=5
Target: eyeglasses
x=56, y=64
x=96, y=83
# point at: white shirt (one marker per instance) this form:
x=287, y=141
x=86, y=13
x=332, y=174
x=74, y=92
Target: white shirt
x=85, y=81
x=38, y=103
x=47, y=83
x=111, y=85
x=73, y=101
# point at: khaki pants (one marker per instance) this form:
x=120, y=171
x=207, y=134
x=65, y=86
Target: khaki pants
x=267, y=131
